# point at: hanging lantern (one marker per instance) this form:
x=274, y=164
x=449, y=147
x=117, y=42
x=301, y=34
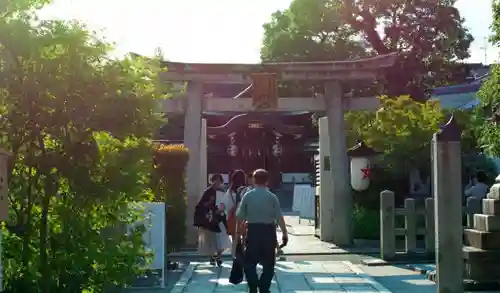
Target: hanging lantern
x=360, y=165
x=277, y=147
x=232, y=149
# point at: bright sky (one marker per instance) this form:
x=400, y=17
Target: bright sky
x=212, y=31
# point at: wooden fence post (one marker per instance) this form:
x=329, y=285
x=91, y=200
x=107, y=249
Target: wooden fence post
x=387, y=225
x=410, y=225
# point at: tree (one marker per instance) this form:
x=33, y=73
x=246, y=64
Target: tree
x=78, y=124
x=429, y=35
x=488, y=112
x=402, y=129
x=309, y=30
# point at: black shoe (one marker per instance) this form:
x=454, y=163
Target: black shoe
x=218, y=260
x=252, y=290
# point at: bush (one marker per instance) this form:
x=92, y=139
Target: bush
x=76, y=235
x=366, y=223
x=170, y=163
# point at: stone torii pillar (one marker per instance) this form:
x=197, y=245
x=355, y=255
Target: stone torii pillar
x=335, y=207
x=192, y=140
x=325, y=186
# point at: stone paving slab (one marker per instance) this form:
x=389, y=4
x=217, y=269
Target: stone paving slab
x=297, y=245
x=290, y=277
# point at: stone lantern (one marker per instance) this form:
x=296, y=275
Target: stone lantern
x=360, y=156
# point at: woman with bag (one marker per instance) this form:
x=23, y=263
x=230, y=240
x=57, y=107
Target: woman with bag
x=237, y=189
x=210, y=222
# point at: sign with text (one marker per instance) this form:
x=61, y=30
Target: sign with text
x=265, y=91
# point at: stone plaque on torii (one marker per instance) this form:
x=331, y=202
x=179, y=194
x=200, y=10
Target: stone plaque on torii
x=335, y=191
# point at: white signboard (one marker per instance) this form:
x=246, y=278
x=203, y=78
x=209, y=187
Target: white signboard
x=154, y=237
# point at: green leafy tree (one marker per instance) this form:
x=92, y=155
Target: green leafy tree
x=402, y=129
x=78, y=124
x=488, y=112
x=430, y=36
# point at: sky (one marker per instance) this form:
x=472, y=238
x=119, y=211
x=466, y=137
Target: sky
x=215, y=31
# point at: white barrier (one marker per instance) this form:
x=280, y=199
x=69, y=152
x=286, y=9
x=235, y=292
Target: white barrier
x=303, y=200
x=154, y=237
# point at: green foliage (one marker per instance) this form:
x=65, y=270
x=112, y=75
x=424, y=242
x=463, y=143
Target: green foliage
x=471, y=163
x=171, y=162
x=484, y=122
x=366, y=223
x=78, y=124
x=489, y=130
x=402, y=129
x=495, y=26
x=431, y=34
x=309, y=30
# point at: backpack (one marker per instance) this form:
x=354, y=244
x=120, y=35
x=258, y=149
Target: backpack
x=231, y=216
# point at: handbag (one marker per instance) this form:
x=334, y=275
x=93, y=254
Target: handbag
x=237, y=273
x=203, y=220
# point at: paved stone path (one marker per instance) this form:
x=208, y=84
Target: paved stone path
x=301, y=240
x=290, y=277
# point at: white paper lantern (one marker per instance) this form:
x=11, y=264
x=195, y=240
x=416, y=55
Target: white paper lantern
x=360, y=172
x=360, y=165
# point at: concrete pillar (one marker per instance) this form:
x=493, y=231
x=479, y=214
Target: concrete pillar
x=203, y=155
x=325, y=185
x=447, y=189
x=387, y=225
x=339, y=162
x=192, y=140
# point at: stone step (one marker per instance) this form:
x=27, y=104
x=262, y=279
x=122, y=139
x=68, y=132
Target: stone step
x=480, y=271
x=491, y=207
x=487, y=223
x=473, y=254
x=481, y=239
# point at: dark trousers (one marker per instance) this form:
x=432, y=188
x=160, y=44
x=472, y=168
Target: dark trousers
x=260, y=248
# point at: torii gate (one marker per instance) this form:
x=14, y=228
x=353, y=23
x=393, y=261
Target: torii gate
x=335, y=191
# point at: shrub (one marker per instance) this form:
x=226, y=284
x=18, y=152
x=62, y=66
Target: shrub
x=170, y=163
x=366, y=223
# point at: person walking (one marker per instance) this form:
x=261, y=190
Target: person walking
x=237, y=189
x=260, y=208
x=212, y=235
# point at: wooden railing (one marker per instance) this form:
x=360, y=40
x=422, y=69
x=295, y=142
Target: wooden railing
x=410, y=212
